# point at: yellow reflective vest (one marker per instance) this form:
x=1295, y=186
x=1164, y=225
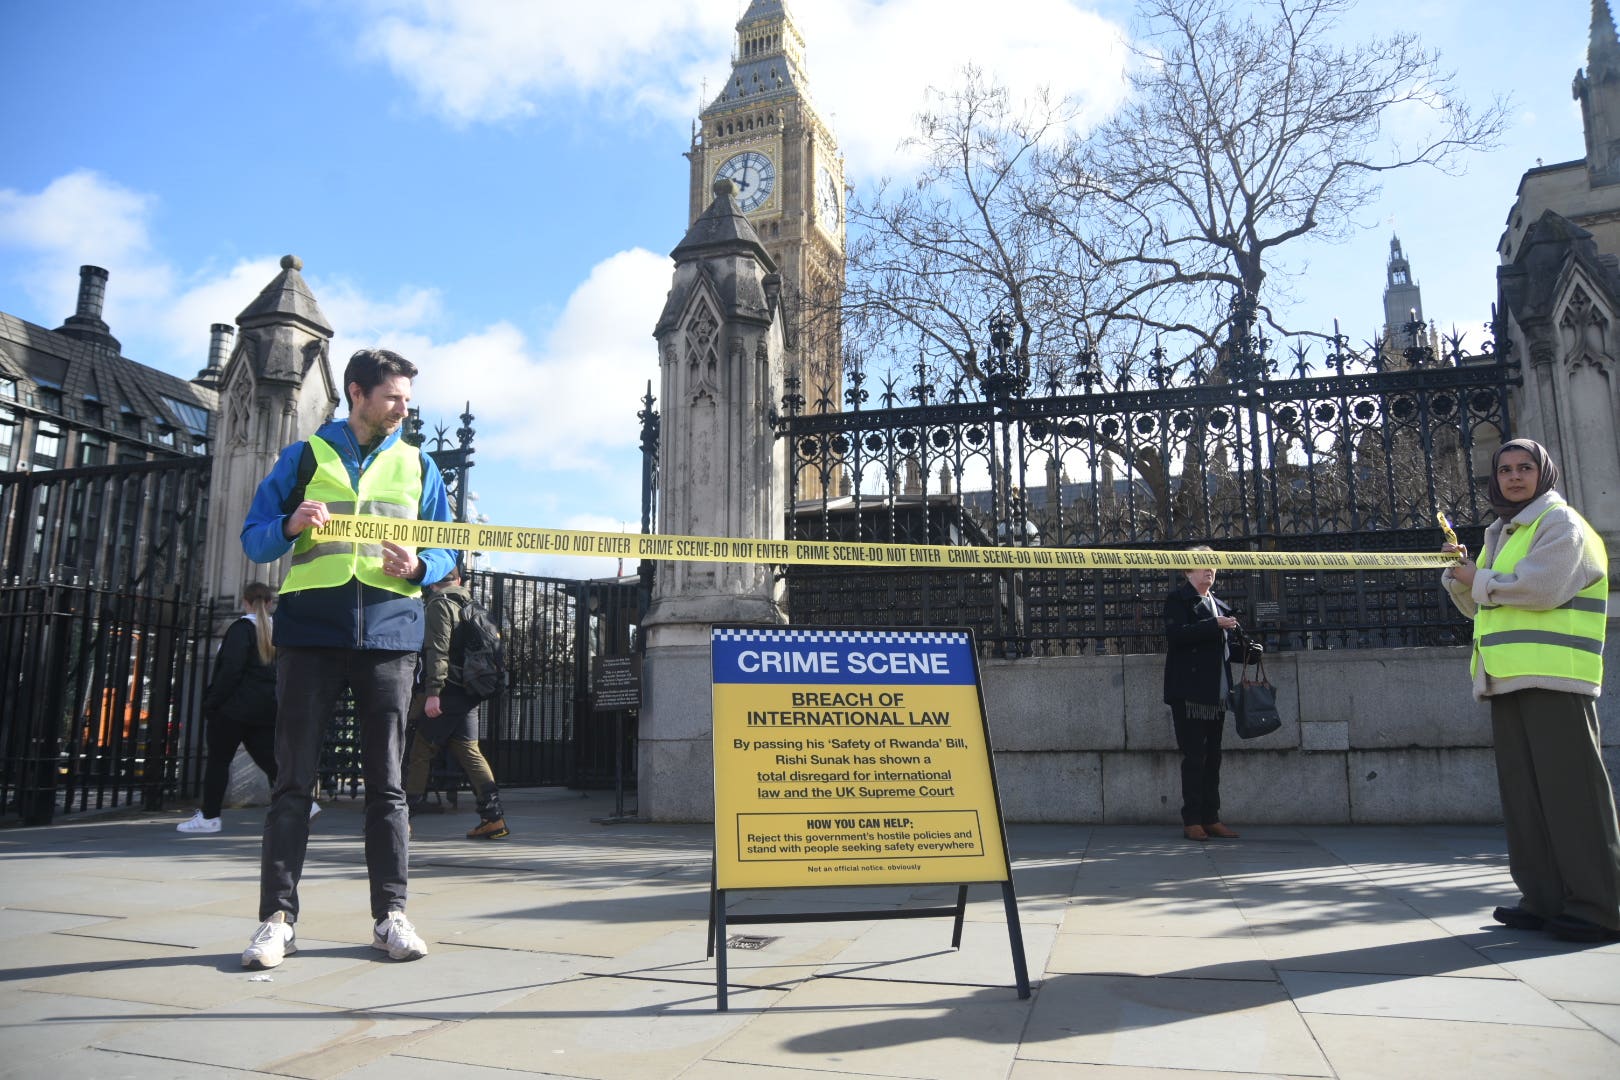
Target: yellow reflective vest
x=390, y=487
x=1565, y=642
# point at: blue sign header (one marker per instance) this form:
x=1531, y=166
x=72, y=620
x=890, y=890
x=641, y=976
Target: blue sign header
x=850, y=657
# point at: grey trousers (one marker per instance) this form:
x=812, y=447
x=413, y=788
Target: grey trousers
x=1557, y=805
x=309, y=683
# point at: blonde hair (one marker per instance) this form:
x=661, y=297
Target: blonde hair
x=1189, y=570
x=257, y=598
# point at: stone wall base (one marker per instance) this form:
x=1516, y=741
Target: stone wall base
x=1370, y=737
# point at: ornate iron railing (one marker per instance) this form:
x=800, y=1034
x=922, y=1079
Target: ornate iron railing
x=137, y=526
x=95, y=683
x=1349, y=460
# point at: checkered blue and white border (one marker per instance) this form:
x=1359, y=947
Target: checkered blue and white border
x=853, y=637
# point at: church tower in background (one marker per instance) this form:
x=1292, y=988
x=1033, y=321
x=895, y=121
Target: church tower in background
x=1403, y=300
x=762, y=132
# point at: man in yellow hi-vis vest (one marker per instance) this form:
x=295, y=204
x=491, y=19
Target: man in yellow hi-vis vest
x=1538, y=598
x=350, y=617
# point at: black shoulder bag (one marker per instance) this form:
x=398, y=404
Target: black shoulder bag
x=1254, y=702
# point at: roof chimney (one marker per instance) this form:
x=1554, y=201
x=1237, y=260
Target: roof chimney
x=86, y=324
x=219, y=351
x=92, y=292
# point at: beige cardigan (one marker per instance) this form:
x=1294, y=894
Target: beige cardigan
x=1559, y=564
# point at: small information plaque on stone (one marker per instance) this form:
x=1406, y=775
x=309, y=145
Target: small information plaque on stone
x=1267, y=611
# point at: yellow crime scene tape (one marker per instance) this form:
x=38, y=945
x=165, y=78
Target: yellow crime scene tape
x=581, y=542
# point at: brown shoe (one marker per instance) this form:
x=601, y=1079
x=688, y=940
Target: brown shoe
x=1221, y=831
x=490, y=830
x=1195, y=832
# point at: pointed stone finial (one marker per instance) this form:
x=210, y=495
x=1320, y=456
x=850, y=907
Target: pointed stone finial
x=1603, y=48
x=291, y=262
x=725, y=185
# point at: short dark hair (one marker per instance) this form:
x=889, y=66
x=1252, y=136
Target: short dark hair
x=369, y=367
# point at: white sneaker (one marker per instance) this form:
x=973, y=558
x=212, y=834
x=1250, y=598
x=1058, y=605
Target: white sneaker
x=314, y=808
x=271, y=943
x=398, y=938
x=198, y=824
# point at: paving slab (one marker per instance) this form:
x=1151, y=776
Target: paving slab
x=38, y=1030
x=576, y=949
x=608, y=1028
x=1565, y=972
x=1479, y=1001
x=794, y=953
x=1601, y=1018
x=919, y=950
x=407, y=1067
x=37, y=960
x=448, y=984
x=206, y=977
x=1222, y=1025
x=21, y=922
x=882, y=1028
x=185, y=929
x=1053, y=1070
x=91, y=1062
x=1157, y=916
x=1368, y=1048
x=1237, y=957
x=270, y=1035
x=729, y=1070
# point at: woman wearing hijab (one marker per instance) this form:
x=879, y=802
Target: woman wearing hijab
x=1537, y=597
x=1202, y=636
x=239, y=705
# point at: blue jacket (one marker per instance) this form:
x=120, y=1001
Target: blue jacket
x=353, y=615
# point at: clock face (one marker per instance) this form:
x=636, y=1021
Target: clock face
x=827, y=208
x=755, y=177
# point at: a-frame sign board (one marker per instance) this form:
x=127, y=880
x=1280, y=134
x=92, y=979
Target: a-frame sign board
x=852, y=757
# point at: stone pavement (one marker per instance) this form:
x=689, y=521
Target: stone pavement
x=577, y=949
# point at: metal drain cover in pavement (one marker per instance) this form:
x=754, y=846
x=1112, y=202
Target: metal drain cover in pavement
x=752, y=942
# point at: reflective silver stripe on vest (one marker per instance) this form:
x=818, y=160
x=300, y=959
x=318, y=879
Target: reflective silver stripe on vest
x=1588, y=603
x=388, y=509
x=329, y=547
x=377, y=508
x=1541, y=637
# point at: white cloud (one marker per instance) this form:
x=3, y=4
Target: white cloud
x=565, y=403
x=498, y=59
x=869, y=61
x=550, y=401
x=82, y=215
x=83, y=218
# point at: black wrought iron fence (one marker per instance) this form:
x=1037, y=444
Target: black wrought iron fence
x=1349, y=460
x=103, y=635
x=96, y=683
x=138, y=526
x=544, y=729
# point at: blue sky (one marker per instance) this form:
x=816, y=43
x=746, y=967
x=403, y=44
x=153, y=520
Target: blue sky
x=492, y=186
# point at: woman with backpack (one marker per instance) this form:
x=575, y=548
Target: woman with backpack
x=239, y=706
x=445, y=712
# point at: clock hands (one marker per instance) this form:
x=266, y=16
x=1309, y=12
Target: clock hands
x=754, y=177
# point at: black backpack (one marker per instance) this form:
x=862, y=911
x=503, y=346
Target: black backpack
x=477, y=653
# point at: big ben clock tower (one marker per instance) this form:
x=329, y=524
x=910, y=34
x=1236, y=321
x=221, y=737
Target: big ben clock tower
x=762, y=133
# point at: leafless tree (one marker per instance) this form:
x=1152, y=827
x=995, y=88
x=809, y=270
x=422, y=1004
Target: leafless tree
x=1249, y=126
